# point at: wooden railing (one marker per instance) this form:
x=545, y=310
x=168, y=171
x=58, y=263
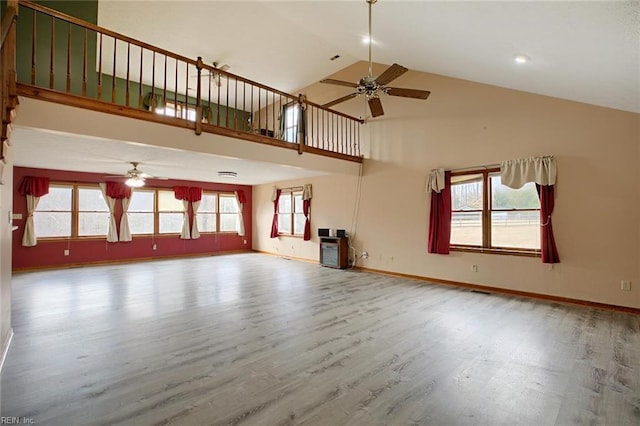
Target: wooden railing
x=64, y=59
x=8, y=92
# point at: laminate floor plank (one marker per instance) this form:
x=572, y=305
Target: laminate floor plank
x=252, y=339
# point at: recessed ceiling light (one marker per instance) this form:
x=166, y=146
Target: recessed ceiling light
x=521, y=59
x=227, y=175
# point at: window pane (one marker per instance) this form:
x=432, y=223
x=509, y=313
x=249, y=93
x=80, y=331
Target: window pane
x=503, y=197
x=170, y=223
x=298, y=224
x=167, y=202
x=93, y=223
x=208, y=203
x=284, y=223
x=229, y=222
x=91, y=199
x=141, y=223
x=466, y=196
x=297, y=203
x=206, y=222
x=142, y=201
x=515, y=229
x=228, y=204
x=284, y=203
x=58, y=199
x=466, y=228
x=52, y=224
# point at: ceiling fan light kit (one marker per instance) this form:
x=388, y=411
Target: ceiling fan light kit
x=372, y=87
x=135, y=182
x=136, y=178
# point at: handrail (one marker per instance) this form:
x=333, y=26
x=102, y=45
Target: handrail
x=142, y=80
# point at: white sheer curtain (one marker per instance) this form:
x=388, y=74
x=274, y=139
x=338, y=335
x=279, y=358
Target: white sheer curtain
x=112, y=234
x=185, y=234
x=125, y=231
x=240, y=217
x=29, y=237
x=195, y=232
x=541, y=170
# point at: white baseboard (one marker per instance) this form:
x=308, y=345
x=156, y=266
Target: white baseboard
x=5, y=349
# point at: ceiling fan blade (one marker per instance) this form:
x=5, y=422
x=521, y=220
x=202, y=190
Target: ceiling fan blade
x=339, y=82
x=375, y=105
x=390, y=74
x=339, y=100
x=408, y=93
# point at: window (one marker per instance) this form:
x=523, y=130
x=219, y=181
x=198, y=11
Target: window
x=141, y=212
x=291, y=217
x=229, y=221
x=178, y=110
x=291, y=113
x=170, y=213
x=53, y=215
x=93, y=212
x=207, y=221
x=489, y=215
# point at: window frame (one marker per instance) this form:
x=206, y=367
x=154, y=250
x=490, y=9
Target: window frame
x=73, y=214
x=291, y=192
x=487, y=210
x=75, y=205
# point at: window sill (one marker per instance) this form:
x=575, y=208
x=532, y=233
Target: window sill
x=291, y=236
x=508, y=252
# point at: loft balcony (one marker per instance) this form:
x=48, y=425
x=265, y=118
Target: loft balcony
x=64, y=60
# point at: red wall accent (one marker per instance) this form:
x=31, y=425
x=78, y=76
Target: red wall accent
x=51, y=253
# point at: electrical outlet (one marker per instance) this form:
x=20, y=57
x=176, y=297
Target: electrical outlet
x=625, y=285
x=365, y=255
x=474, y=268
x=66, y=252
x=154, y=247
x=245, y=241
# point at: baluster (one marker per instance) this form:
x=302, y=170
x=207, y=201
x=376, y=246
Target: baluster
x=127, y=93
x=164, y=87
x=153, y=81
x=175, y=92
x=244, y=106
x=68, y=86
x=113, y=71
x=218, y=108
x=235, y=104
x=259, y=111
x=100, y=69
x=33, y=50
x=84, y=64
x=140, y=105
x=226, y=118
x=52, y=53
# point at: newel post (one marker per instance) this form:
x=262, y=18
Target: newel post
x=302, y=131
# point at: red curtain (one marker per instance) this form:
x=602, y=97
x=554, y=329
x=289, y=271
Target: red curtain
x=195, y=194
x=181, y=192
x=274, y=223
x=118, y=190
x=440, y=218
x=547, y=242
x=242, y=199
x=306, y=207
x=36, y=186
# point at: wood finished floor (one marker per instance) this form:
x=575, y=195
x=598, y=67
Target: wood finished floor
x=252, y=339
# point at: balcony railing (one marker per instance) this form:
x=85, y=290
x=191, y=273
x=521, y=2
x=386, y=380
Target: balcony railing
x=63, y=59
x=8, y=91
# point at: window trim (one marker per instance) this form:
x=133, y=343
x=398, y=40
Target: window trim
x=486, y=219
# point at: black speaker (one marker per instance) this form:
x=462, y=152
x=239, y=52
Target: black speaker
x=323, y=232
x=342, y=233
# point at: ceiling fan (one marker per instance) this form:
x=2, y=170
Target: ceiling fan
x=372, y=87
x=215, y=77
x=135, y=178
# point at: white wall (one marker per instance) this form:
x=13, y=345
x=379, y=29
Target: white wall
x=466, y=124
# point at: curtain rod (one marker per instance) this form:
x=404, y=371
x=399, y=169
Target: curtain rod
x=485, y=166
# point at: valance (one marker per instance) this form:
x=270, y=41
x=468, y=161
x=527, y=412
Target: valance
x=181, y=192
x=541, y=170
x=118, y=190
x=195, y=193
x=435, y=180
x=35, y=186
x=306, y=192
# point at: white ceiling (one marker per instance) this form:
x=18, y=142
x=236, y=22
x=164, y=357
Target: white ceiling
x=582, y=51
